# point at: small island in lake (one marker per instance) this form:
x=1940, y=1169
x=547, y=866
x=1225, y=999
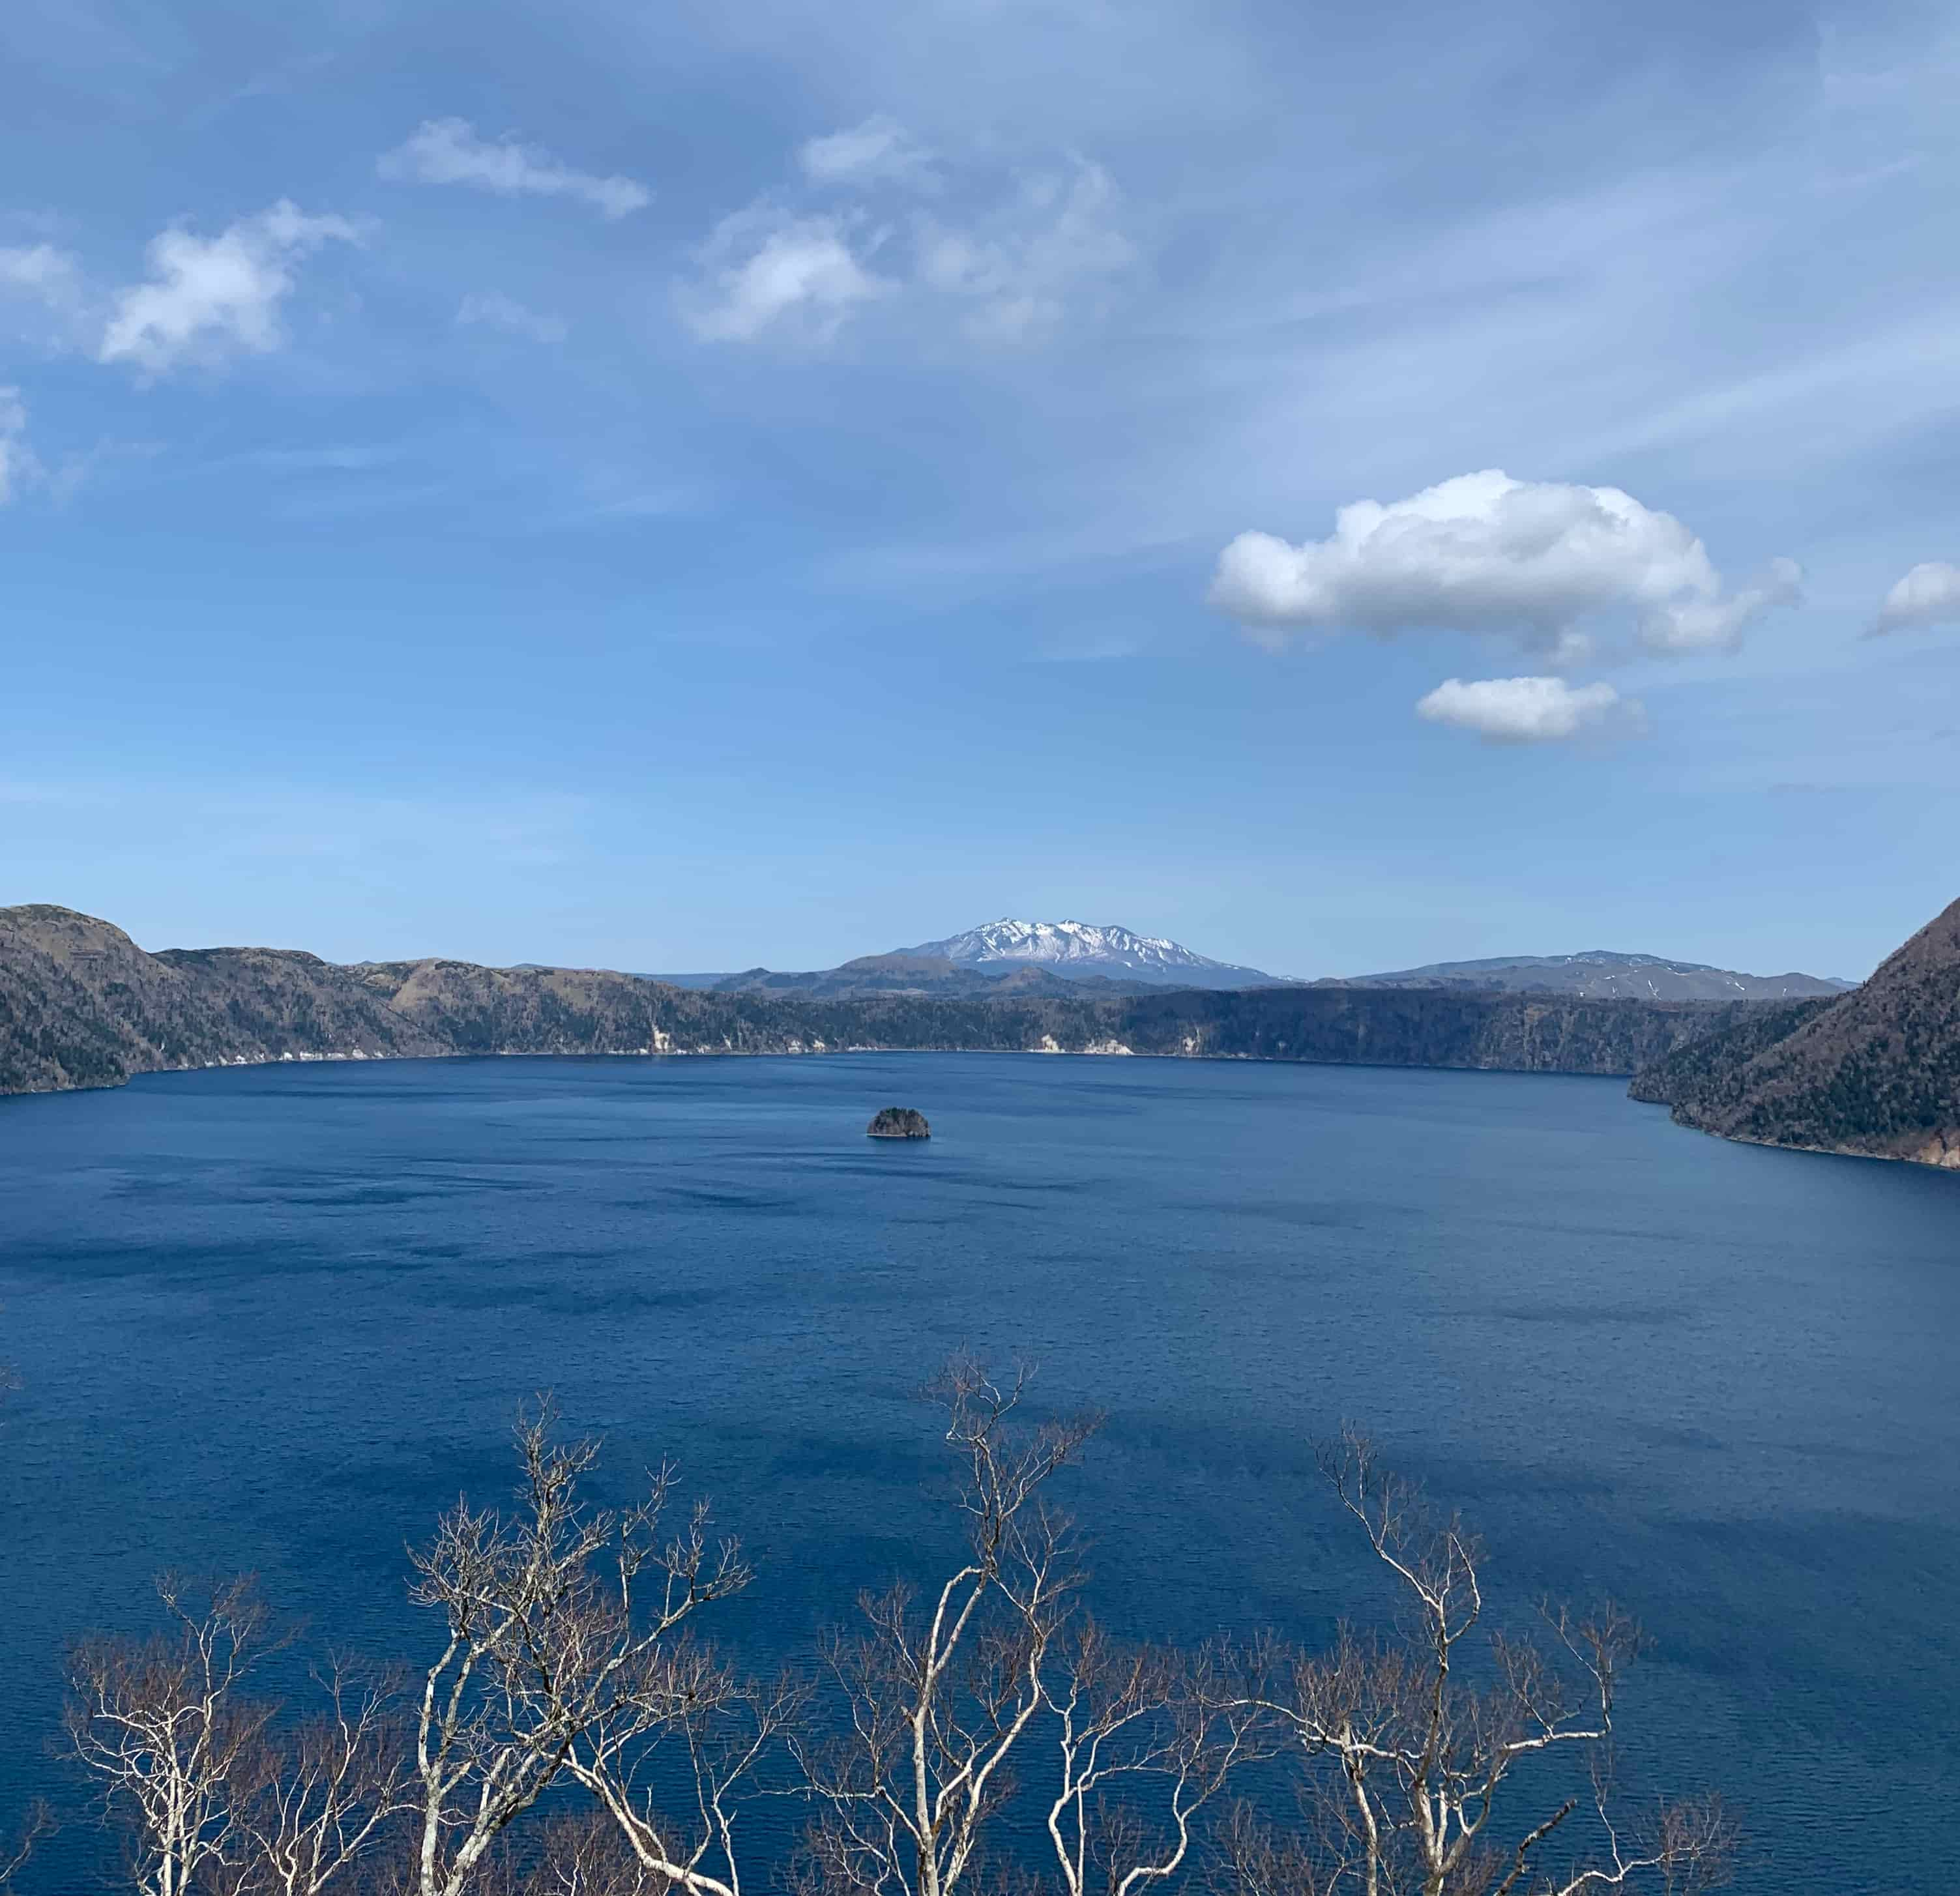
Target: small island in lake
x=899, y=1122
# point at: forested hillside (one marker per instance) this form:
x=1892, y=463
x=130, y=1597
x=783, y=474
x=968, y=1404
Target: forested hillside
x=81, y=1005
x=1875, y=1073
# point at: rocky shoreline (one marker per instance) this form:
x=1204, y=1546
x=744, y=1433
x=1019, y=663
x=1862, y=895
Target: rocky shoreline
x=81, y=1005
x=1874, y=1073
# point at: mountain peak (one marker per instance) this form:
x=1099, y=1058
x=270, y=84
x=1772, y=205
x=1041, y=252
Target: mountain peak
x=1077, y=949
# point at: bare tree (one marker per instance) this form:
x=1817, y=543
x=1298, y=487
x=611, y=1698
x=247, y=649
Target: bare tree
x=580, y=1853
x=941, y=1693
x=715, y=1732
x=1146, y=1737
x=165, y=1726
x=571, y=1685
x=565, y=1659
x=1419, y=1738
x=311, y=1802
x=214, y=1793
x=1252, y=1855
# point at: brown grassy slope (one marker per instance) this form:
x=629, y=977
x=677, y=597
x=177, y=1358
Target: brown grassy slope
x=81, y=1005
x=560, y=1010
x=273, y=1002
x=55, y=1032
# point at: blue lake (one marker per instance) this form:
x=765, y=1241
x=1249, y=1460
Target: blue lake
x=276, y=1318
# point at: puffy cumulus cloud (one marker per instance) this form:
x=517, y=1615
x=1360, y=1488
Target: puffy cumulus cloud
x=765, y=270
x=1523, y=711
x=878, y=151
x=492, y=310
x=1012, y=257
x=449, y=151
x=17, y=464
x=1929, y=595
x=207, y=296
x=1485, y=553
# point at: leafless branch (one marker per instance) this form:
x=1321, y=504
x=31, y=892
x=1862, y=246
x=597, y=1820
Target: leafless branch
x=1410, y=1741
x=971, y=1729
x=1146, y=1737
x=941, y=1691
x=564, y=1657
x=164, y=1727
x=38, y=1824
x=312, y=1801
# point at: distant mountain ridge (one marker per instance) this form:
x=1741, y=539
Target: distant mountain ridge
x=1049, y=957
x=1603, y=974
x=82, y=1005
x=908, y=973
x=1073, y=949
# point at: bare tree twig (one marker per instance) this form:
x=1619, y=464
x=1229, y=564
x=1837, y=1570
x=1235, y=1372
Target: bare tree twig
x=564, y=1658
x=941, y=1692
x=38, y=1824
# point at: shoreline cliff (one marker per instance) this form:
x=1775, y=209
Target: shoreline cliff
x=82, y=1005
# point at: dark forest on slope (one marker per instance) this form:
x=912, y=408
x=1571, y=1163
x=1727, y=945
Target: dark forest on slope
x=1875, y=1073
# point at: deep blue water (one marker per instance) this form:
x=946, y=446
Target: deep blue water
x=275, y=1318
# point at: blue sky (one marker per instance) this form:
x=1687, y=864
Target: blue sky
x=689, y=486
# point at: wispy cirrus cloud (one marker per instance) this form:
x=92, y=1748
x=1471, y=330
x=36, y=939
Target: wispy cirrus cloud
x=44, y=298
x=50, y=276
x=1008, y=259
x=451, y=152
x=492, y=310
x=765, y=270
x=1018, y=268
x=878, y=151
x=207, y=298
x=18, y=463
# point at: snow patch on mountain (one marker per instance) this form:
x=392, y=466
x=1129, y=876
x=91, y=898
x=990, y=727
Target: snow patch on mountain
x=1080, y=949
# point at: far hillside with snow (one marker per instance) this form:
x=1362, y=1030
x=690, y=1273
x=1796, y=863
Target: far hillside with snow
x=1081, y=950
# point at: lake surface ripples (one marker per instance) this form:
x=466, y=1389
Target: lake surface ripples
x=276, y=1318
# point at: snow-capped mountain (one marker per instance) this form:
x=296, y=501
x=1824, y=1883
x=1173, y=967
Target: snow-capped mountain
x=1079, y=950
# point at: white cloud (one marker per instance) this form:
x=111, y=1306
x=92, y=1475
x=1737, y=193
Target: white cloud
x=492, y=309
x=763, y=270
x=207, y=295
x=42, y=299
x=1929, y=595
x=1521, y=710
x=1023, y=264
x=1013, y=265
x=878, y=151
x=1485, y=553
x=17, y=464
x=448, y=152
x=1693, y=624
x=40, y=271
